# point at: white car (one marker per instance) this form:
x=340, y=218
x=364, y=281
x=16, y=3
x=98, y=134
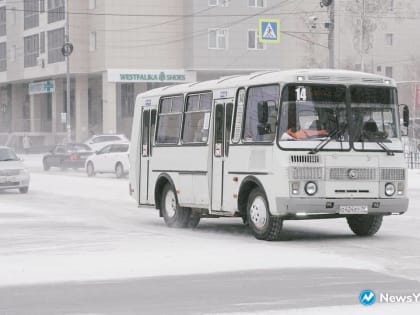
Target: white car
x=98, y=142
x=13, y=174
x=111, y=159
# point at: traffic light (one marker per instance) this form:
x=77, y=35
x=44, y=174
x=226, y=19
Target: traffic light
x=325, y=3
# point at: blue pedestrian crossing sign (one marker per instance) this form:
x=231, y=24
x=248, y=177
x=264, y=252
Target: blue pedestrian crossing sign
x=269, y=31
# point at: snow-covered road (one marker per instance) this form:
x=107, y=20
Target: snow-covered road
x=71, y=228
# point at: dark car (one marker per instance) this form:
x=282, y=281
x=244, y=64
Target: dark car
x=72, y=155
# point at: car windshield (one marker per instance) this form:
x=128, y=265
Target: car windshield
x=7, y=154
x=312, y=113
x=373, y=115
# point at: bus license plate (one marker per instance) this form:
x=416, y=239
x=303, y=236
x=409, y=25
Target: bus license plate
x=353, y=210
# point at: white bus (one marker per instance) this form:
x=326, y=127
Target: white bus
x=271, y=146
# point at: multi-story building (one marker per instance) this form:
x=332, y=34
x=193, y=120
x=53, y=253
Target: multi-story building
x=124, y=47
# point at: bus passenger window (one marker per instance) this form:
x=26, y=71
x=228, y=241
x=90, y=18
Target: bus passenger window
x=170, y=116
x=197, y=118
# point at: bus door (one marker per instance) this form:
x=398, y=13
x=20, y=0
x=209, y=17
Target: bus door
x=221, y=135
x=147, y=139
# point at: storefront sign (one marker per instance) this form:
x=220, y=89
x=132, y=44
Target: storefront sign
x=42, y=87
x=167, y=76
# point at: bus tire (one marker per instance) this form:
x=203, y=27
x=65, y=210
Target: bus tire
x=173, y=214
x=194, y=219
x=365, y=225
x=263, y=225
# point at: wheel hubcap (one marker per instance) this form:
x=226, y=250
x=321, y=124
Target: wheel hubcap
x=258, y=212
x=170, y=203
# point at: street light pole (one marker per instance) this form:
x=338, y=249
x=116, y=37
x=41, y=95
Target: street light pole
x=68, y=109
x=362, y=38
x=331, y=30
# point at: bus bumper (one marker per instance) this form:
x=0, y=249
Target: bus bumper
x=328, y=207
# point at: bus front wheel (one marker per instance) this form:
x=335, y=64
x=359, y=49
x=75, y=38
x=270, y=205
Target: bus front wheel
x=173, y=214
x=264, y=226
x=365, y=225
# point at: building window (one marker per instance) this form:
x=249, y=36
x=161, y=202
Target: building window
x=379, y=69
x=388, y=72
x=218, y=38
x=92, y=41
x=127, y=100
x=257, y=3
x=389, y=39
x=390, y=5
x=253, y=42
x=42, y=43
x=92, y=4
x=42, y=6
x=31, y=50
x=3, y=57
x=55, y=43
x=218, y=3
x=30, y=14
x=56, y=10
x=2, y=21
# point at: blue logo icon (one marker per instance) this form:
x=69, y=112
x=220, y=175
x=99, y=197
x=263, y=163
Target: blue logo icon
x=367, y=297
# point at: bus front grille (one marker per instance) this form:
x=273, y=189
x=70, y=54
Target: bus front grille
x=392, y=174
x=352, y=173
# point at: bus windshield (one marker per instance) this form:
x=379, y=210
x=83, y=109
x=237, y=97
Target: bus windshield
x=374, y=116
x=313, y=113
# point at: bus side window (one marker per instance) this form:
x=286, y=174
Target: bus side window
x=239, y=110
x=152, y=129
x=145, y=133
x=219, y=127
x=170, y=117
x=253, y=131
x=229, y=109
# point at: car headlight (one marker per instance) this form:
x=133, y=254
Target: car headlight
x=23, y=171
x=311, y=188
x=389, y=189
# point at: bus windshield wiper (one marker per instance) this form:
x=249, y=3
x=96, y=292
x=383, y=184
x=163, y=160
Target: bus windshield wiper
x=381, y=144
x=337, y=132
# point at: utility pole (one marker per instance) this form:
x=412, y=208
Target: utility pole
x=67, y=40
x=331, y=29
x=66, y=50
x=362, y=38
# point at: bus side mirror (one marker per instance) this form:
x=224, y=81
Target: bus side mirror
x=406, y=115
x=262, y=112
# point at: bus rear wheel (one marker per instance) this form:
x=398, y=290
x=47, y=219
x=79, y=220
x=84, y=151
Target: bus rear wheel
x=263, y=225
x=173, y=214
x=365, y=225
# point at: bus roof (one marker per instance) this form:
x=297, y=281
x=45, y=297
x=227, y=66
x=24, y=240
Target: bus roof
x=329, y=76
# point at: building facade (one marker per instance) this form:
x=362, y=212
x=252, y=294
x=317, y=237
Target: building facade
x=122, y=48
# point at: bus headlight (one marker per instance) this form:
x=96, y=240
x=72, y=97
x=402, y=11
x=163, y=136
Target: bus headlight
x=311, y=188
x=389, y=189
